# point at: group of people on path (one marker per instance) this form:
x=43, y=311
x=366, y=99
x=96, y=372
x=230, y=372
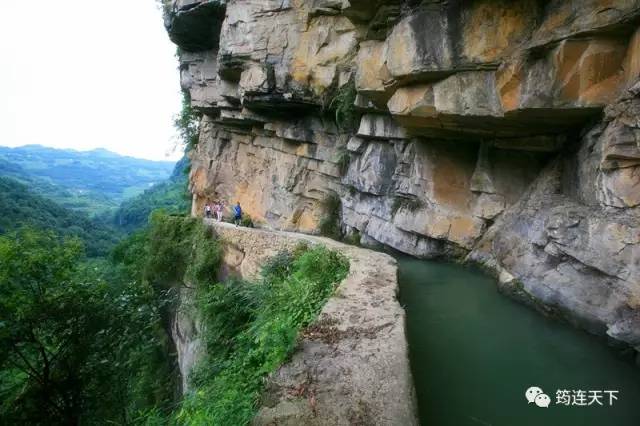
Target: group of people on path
x=218, y=207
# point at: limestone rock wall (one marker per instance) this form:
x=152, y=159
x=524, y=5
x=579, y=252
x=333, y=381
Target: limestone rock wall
x=499, y=131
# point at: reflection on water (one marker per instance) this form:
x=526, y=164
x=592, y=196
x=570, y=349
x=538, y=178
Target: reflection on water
x=475, y=352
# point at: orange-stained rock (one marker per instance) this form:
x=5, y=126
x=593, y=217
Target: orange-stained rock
x=413, y=101
x=327, y=42
x=458, y=36
x=509, y=79
x=419, y=46
x=621, y=187
x=465, y=108
x=492, y=29
x=581, y=74
x=470, y=93
x=372, y=75
x=589, y=72
x=198, y=179
x=450, y=104
x=567, y=18
x=465, y=230
x=631, y=64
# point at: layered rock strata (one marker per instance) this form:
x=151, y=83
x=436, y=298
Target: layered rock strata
x=503, y=132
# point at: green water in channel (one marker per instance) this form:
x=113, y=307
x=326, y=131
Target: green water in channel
x=474, y=352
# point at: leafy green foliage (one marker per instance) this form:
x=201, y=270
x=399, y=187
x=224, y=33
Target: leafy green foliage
x=19, y=206
x=246, y=221
x=248, y=328
x=251, y=328
x=344, y=105
x=180, y=250
x=71, y=330
x=67, y=334
x=187, y=123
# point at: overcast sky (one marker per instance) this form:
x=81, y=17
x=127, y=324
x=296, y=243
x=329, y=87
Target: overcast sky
x=84, y=74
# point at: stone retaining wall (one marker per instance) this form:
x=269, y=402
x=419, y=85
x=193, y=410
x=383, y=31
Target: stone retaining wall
x=352, y=365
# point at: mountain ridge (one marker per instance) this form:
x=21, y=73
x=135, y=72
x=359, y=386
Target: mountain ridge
x=93, y=181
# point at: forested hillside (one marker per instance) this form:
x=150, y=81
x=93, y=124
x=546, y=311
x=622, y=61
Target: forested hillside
x=20, y=206
x=171, y=196
x=90, y=181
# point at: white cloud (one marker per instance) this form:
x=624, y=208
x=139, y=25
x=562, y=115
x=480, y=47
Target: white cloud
x=88, y=73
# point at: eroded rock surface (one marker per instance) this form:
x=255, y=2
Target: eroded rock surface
x=503, y=132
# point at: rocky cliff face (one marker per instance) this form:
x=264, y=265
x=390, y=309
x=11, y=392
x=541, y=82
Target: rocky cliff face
x=503, y=132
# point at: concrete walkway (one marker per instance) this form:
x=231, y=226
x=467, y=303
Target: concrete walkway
x=351, y=366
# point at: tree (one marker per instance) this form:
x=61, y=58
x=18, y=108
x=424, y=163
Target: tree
x=71, y=345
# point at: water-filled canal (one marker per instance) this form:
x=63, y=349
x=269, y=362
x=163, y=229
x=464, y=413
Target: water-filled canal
x=474, y=352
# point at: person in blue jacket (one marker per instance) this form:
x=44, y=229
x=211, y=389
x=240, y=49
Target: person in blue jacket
x=237, y=211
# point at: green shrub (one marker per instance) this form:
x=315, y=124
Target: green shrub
x=250, y=330
x=353, y=238
x=180, y=249
x=278, y=267
x=70, y=331
x=246, y=221
x=330, y=224
x=343, y=103
x=343, y=161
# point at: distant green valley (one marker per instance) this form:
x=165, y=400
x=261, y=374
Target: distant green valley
x=20, y=207
x=171, y=196
x=96, y=196
x=93, y=182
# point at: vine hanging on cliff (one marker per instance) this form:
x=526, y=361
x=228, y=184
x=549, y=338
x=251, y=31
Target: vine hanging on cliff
x=187, y=123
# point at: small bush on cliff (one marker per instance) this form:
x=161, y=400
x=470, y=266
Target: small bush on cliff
x=251, y=328
x=247, y=221
x=343, y=161
x=353, y=238
x=330, y=224
x=165, y=6
x=344, y=105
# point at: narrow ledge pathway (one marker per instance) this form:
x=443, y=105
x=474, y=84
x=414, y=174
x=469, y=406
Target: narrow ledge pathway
x=351, y=367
